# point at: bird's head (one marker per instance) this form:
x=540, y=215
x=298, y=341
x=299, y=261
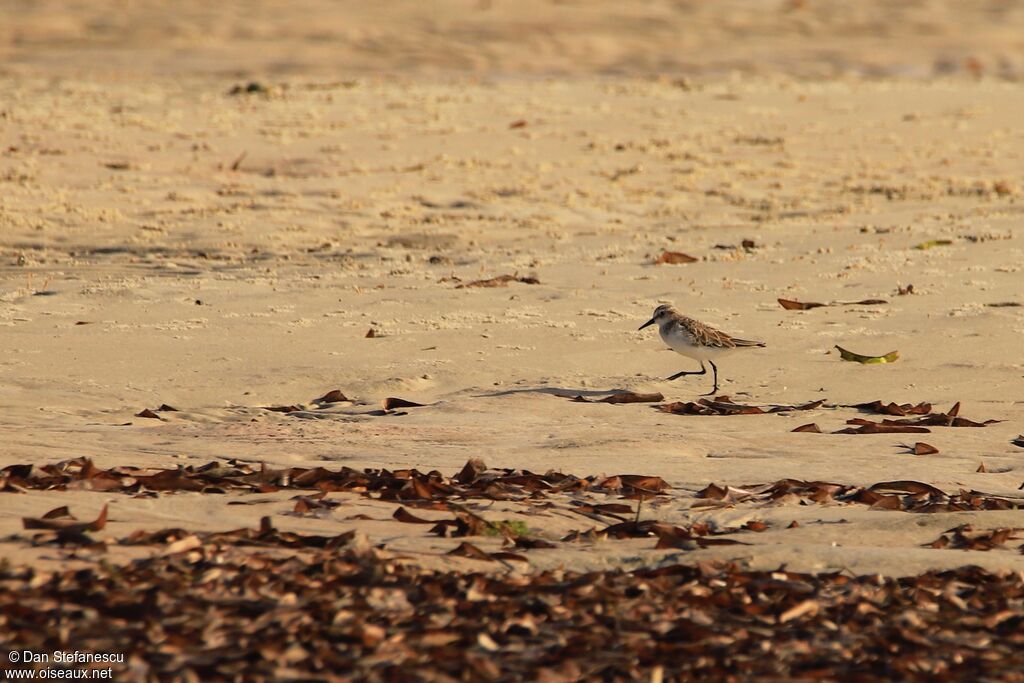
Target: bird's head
x=661, y=314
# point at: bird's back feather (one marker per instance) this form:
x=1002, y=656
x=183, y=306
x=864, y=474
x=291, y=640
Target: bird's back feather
x=705, y=335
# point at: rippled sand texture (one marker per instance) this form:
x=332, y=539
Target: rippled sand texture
x=806, y=38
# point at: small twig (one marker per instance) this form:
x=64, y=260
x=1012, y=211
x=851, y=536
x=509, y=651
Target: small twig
x=639, y=505
x=238, y=161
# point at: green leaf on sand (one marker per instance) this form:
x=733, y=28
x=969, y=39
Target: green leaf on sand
x=859, y=358
x=933, y=243
x=507, y=527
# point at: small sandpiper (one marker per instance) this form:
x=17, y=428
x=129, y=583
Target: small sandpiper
x=694, y=339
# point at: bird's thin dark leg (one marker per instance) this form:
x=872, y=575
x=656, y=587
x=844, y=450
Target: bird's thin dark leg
x=703, y=371
x=715, y=390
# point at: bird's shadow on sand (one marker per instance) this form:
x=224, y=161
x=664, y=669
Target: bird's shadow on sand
x=561, y=392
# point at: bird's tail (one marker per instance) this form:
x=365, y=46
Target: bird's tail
x=747, y=342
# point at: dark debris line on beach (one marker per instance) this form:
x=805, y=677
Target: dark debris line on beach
x=475, y=480
x=264, y=604
x=913, y=418
x=436, y=491
x=211, y=613
x=465, y=496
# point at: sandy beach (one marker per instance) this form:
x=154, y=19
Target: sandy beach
x=227, y=211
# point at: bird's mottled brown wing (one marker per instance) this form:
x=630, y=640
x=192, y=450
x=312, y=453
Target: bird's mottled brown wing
x=747, y=342
x=705, y=335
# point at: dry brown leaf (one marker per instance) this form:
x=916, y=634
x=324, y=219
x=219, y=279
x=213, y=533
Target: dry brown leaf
x=465, y=549
x=869, y=427
x=282, y=409
x=674, y=257
x=391, y=403
x=499, y=281
x=896, y=409
x=171, y=480
x=807, y=607
x=791, y=305
x=508, y=556
x=712, y=491
x=183, y=545
x=314, y=505
x=332, y=396
x=62, y=524
x=403, y=515
x=58, y=513
x=908, y=486
x=642, y=482
x=887, y=502
x=811, y=427
x=965, y=537
x=632, y=397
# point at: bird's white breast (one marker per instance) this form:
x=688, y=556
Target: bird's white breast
x=682, y=342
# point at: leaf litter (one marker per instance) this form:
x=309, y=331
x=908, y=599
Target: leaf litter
x=221, y=612
x=903, y=495
x=359, y=611
x=264, y=536
x=724, y=405
x=914, y=418
x=913, y=425
x=965, y=537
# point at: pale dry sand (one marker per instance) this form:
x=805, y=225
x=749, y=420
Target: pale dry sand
x=356, y=198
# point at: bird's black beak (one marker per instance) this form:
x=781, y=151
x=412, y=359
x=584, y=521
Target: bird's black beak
x=649, y=322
